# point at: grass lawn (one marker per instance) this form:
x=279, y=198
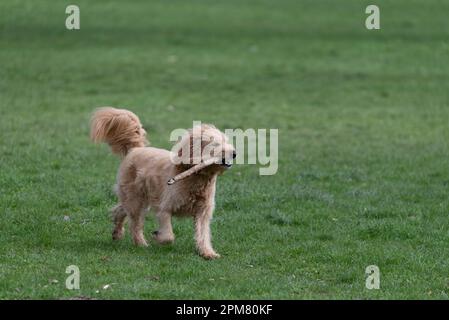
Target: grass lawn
x=363, y=146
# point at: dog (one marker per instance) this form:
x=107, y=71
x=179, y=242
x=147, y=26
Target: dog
x=171, y=183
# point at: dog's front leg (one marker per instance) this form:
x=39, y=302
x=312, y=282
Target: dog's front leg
x=165, y=233
x=202, y=235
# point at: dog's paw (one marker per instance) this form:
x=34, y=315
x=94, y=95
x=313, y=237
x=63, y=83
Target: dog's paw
x=210, y=255
x=140, y=242
x=162, y=238
x=118, y=234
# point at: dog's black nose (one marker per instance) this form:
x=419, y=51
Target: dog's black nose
x=234, y=154
x=223, y=161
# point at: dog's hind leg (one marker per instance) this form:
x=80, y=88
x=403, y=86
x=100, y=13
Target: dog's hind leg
x=136, y=215
x=136, y=223
x=165, y=233
x=118, y=218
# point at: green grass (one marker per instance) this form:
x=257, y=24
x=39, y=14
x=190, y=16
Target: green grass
x=363, y=153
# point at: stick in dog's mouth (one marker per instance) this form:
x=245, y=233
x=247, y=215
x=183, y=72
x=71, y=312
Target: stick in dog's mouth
x=192, y=170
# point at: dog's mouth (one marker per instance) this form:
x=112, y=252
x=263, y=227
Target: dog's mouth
x=226, y=164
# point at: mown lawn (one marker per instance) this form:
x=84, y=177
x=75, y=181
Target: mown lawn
x=363, y=146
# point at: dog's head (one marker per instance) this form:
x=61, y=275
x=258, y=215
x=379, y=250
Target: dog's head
x=201, y=144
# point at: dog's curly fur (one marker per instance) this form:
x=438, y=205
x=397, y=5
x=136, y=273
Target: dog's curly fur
x=143, y=175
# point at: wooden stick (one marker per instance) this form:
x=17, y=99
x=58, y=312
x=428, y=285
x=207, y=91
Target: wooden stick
x=192, y=170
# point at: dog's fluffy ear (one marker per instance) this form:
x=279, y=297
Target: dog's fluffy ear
x=191, y=145
x=184, y=151
x=189, y=151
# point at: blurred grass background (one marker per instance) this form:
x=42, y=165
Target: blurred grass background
x=362, y=118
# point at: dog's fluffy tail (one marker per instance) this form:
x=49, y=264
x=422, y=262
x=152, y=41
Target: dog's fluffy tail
x=119, y=128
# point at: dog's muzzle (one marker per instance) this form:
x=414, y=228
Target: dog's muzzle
x=227, y=164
